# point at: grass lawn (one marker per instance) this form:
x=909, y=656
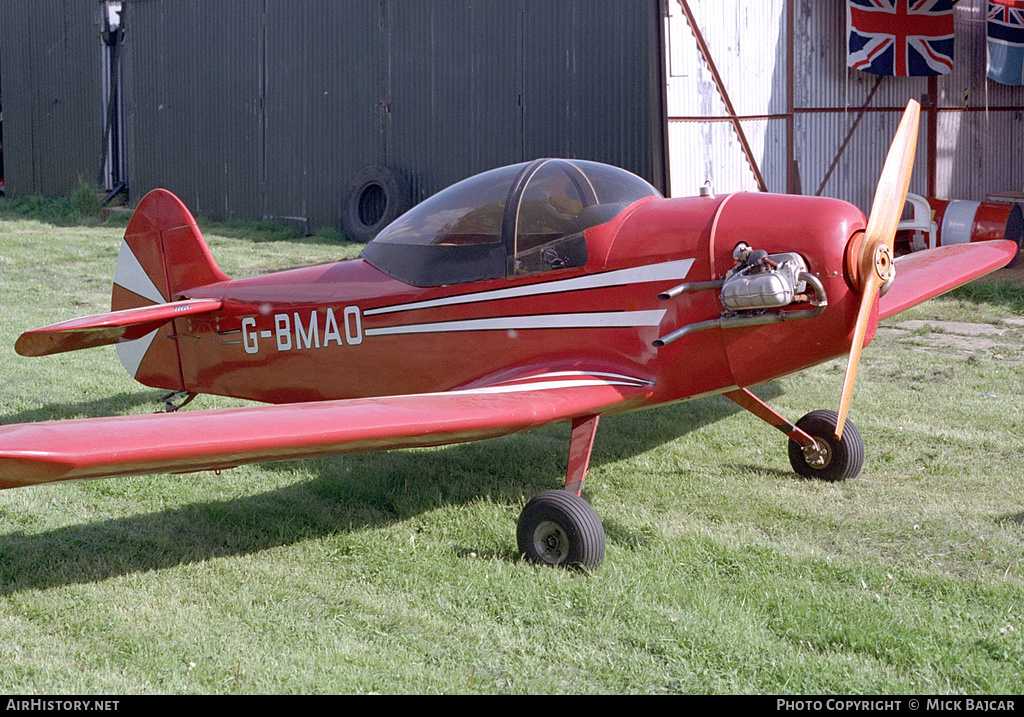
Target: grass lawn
x=398, y=572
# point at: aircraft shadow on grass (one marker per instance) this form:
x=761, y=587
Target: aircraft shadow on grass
x=338, y=498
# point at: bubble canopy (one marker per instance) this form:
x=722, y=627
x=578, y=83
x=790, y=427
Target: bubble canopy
x=522, y=219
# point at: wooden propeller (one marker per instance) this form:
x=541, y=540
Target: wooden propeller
x=871, y=266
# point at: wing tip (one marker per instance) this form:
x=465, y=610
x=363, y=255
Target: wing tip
x=926, y=274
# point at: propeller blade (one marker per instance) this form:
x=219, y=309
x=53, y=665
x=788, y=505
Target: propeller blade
x=860, y=331
x=874, y=264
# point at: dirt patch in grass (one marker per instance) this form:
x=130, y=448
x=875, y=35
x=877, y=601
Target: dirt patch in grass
x=959, y=336
x=1004, y=339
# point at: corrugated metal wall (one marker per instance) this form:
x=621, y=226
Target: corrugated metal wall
x=980, y=123
x=453, y=81
x=324, y=107
x=276, y=105
x=747, y=44
x=794, y=96
x=827, y=98
x=269, y=108
x=593, y=83
x=53, y=107
x=193, y=98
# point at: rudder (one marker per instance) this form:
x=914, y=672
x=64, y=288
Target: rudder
x=163, y=254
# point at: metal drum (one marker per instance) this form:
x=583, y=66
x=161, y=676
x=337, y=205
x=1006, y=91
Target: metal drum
x=960, y=222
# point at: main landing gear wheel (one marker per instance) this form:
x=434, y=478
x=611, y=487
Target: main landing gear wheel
x=559, y=528
x=836, y=459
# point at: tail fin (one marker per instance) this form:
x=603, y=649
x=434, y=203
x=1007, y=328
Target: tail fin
x=163, y=254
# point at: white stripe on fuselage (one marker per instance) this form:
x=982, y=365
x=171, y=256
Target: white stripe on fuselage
x=549, y=385
x=607, y=319
x=667, y=271
x=554, y=380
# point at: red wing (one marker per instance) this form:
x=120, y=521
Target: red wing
x=926, y=274
x=183, y=442
x=110, y=328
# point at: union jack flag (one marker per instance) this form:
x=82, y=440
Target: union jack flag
x=1005, y=20
x=904, y=38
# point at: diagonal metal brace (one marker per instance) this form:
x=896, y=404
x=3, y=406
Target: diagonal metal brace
x=745, y=399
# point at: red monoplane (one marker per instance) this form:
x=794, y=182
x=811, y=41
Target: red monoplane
x=555, y=290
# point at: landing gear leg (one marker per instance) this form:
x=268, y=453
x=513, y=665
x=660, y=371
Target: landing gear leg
x=558, y=527
x=814, y=450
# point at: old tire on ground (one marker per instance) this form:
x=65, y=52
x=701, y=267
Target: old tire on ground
x=376, y=197
x=843, y=458
x=559, y=528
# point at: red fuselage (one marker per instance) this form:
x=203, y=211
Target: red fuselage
x=348, y=330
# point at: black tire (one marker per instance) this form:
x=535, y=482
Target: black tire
x=559, y=528
x=376, y=197
x=843, y=458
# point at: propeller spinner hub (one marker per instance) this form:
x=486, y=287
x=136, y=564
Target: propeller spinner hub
x=885, y=267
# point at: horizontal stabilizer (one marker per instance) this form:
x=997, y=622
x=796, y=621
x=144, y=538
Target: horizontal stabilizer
x=105, y=329
x=925, y=274
x=189, y=441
